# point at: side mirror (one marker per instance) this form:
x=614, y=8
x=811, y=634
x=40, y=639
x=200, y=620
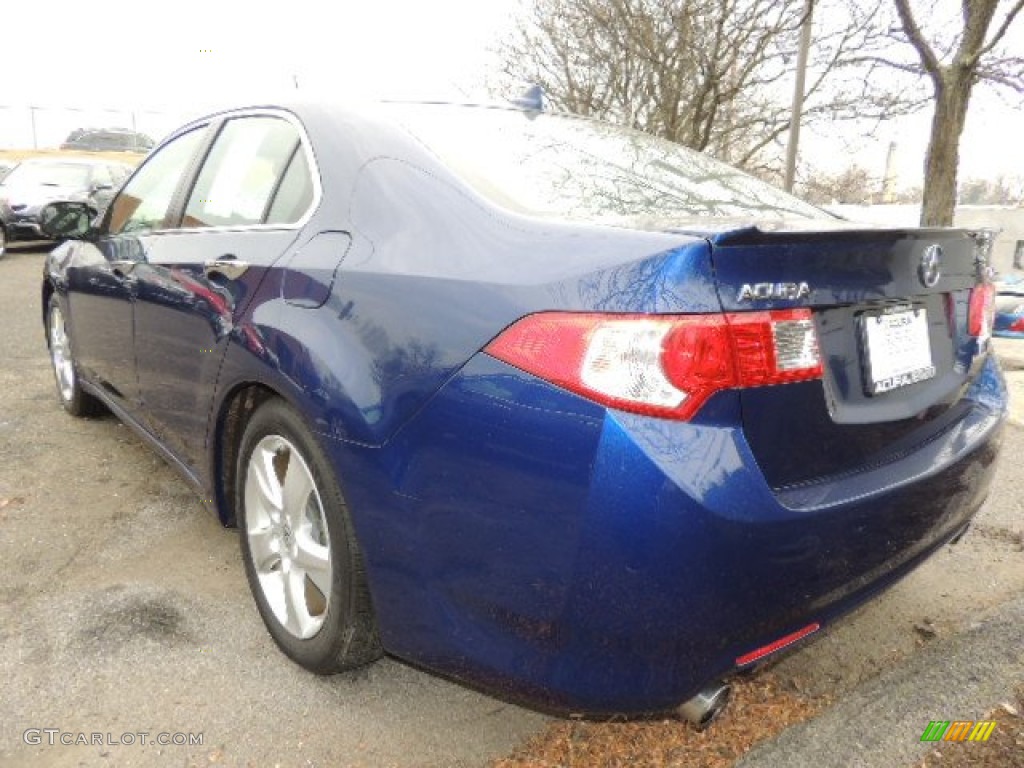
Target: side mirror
x=66, y=220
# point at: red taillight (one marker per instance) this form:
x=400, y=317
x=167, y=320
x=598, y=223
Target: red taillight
x=662, y=365
x=981, y=311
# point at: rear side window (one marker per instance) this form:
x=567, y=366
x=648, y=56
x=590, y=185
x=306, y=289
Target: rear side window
x=143, y=203
x=242, y=172
x=295, y=194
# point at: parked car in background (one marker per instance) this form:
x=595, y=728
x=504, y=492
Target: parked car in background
x=37, y=181
x=1009, y=322
x=107, y=139
x=538, y=402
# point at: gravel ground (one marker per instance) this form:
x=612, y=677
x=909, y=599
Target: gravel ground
x=124, y=609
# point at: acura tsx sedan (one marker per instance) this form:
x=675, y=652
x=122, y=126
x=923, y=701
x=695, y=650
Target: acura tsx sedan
x=542, y=404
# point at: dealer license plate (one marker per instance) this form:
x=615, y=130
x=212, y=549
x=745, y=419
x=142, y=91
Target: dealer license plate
x=897, y=349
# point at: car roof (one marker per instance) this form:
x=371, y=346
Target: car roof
x=369, y=112
x=355, y=107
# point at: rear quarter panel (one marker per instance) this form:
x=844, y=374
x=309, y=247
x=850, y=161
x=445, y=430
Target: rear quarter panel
x=432, y=274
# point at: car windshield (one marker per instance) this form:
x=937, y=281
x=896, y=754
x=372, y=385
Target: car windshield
x=49, y=175
x=567, y=167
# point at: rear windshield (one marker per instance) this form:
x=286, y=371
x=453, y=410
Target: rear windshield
x=49, y=175
x=566, y=167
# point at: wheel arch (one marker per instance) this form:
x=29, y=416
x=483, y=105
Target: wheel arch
x=47, y=291
x=236, y=408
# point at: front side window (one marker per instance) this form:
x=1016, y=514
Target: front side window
x=242, y=172
x=143, y=203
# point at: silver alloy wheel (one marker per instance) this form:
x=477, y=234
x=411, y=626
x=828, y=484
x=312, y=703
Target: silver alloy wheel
x=60, y=354
x=287, y=535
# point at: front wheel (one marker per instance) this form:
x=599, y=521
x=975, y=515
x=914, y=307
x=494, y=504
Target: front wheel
x=301, y=558
x=73, y=398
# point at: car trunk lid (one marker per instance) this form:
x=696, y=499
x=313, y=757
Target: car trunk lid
x=891, y=313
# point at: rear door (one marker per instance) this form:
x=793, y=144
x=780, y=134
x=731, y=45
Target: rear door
x=891, y=311
x=241, y=214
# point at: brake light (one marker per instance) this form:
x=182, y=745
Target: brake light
x=662, y=365
x=981, y=310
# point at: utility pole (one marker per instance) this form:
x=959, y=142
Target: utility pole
x=798, y=95
x=889, y=179
x=32, y=117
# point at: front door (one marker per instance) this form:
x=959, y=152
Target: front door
x=102, y=282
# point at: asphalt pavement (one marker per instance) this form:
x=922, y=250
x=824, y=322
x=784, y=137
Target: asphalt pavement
x=124, y=609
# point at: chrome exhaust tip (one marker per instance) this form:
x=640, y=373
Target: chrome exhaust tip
x=703, y=708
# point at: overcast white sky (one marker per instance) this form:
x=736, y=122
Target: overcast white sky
x=158, y=63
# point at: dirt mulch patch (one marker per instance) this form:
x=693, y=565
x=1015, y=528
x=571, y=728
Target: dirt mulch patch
x=759, y=709
x=1004, y=748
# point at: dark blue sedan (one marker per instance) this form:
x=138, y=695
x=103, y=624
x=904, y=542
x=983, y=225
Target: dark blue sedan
x=542, y=404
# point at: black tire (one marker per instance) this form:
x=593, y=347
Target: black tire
x=3, y=241
x=72, y=397
x=343, y=635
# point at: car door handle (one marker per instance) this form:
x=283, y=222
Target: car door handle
x=232, y=269
x=122, y=267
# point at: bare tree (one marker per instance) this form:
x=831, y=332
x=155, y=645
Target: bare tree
x=853, y=186
x=954, y=64
x=713, y=75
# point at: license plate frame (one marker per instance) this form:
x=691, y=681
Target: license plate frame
x=895, y=348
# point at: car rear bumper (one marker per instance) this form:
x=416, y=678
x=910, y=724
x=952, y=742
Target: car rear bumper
x=524, y=539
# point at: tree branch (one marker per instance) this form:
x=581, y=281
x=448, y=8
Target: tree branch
x=913, y=32
x=1001, y=32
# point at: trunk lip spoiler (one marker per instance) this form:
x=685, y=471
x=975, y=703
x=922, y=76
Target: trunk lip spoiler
x=758, y=235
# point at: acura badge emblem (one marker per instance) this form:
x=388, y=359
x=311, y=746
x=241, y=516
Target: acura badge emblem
x=930, y=269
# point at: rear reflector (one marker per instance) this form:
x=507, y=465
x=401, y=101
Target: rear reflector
x=662, y=365
x=778, y=645
x=982, y=310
